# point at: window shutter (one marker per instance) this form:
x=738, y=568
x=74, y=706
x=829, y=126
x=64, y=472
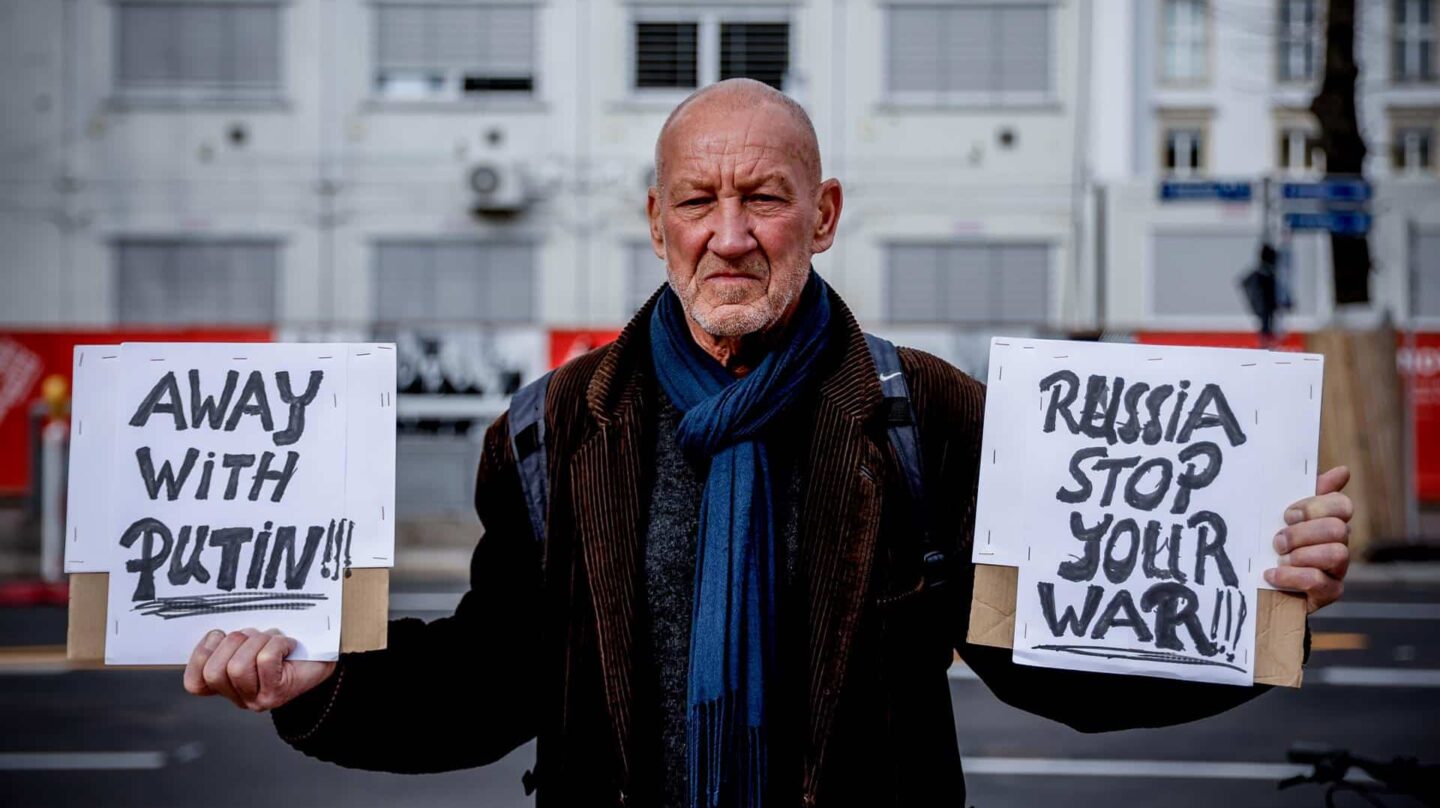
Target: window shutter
x=968, y=50
x=666, y=54
x=420, y=281
x=757, y=50
x=915, y=48
x=1023, y=42
x=1022, y=275
x=969, y=283
x=1427, y=281
x=168, y=282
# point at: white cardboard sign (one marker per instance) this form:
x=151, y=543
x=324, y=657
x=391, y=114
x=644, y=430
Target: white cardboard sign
x=1138, y=489
x=229, y=485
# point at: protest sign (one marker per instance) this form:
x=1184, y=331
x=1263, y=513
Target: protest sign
x=1137, y=489
x=236, y=482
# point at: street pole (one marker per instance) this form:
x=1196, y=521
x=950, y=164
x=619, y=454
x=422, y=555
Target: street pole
x=1407, y=384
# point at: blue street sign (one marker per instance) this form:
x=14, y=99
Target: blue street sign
x=1201, y=190
x=1343, y=222
x=1346, y=190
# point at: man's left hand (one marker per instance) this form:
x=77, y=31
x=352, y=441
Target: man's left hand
x=1314, y=546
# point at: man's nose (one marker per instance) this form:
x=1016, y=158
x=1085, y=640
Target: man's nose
x=732, y=237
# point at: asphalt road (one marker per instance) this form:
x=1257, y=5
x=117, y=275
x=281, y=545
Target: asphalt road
x=136, y=739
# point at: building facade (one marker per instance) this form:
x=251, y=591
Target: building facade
x=467, y=177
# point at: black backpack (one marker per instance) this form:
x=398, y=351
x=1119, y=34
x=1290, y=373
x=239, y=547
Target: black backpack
x=527, y=439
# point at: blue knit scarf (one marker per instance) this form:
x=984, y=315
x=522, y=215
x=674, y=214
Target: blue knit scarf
x=732, y=635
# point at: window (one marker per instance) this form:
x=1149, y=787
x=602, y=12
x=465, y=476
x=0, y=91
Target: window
x=1413, y=40
x=1183, y=143
x=1298, y=40
x=1427, y=283
x=667, y=55
x=180, y=281
x=198, y=52
x=1297, y=143
x=1185, y=42
x=1198, y=274
x=967, y=283
x=643, y=275
x=1298, y=151
x=1413, y=149
x=447, y=52
x=686, y=50
x=972, y=53
x=454, y=281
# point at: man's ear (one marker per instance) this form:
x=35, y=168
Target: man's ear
x=652, y=211
x=829, y=198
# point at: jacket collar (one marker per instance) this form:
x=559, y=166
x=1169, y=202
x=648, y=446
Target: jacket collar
x=852, y=385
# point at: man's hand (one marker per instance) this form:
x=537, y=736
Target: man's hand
x=250, y=668
x=1314, y=548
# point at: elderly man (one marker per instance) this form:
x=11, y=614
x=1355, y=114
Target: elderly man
x=726, y=608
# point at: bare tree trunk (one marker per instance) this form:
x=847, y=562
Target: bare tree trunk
x=1334, y=109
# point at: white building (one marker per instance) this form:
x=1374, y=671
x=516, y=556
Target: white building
x=461, y=175
x=309, y=163
x=1220, y=89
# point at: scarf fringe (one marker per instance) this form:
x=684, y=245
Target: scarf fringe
x=728, y=761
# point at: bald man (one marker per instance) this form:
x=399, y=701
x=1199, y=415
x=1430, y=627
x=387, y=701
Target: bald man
x=727, y=605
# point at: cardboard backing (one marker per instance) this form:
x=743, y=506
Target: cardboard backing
x=1279, y=624
x=363, y=622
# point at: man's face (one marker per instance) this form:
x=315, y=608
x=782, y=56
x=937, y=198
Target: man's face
x=738, y=215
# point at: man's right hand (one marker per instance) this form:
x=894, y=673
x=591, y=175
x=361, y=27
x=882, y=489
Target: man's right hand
x=251, y=668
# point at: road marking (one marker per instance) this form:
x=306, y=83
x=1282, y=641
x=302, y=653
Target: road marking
x=1344, y=675
x=1347, y=610
x=1338, y=641
x=33, y=659
x=960, y=672
x=80, y=761
x=424, y=601
x=1333, y=675
x=1187, y=769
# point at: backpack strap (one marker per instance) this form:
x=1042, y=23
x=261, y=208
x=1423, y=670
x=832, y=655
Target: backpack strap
x=905, y=437
x=527, y=440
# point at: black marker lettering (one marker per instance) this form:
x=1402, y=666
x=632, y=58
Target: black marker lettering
x=1083, y=569
x=207, y=409
x=254, y=392
x=235, y=462
x=1190, y=481
x=229, y=540
x=165, y=387
x=1214, y=548
x=295, y=427
x=1111, y=618
x=1174, y=605
x=1148, y=501
x=281, y=478
x=1223, y=417
x=183, y=573
x=1083, y=493
x=1063, y=386
x=150, y=558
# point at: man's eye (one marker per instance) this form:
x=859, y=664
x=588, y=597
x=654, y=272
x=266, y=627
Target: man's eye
x=699, y=200
x=764, y=198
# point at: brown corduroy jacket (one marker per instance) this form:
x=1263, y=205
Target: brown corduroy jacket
x=545, y=642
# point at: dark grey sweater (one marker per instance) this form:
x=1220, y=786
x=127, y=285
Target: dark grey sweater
x=670, y=589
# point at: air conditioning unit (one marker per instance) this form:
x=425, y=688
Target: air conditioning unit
x=498, y=188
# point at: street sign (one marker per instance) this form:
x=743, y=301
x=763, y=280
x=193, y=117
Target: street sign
x=1346, y=223
x=1342, y=190
x=1203, y=190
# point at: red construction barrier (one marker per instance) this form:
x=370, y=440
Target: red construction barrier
x=29, y=357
